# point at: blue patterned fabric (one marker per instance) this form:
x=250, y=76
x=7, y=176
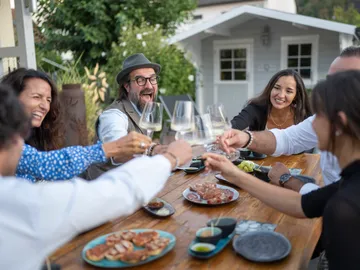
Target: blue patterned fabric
x=60, y=164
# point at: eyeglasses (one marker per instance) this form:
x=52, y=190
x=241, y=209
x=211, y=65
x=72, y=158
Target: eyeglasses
x=141, y=81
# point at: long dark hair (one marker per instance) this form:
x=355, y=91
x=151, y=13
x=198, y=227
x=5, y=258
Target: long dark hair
x=301, y=103
x=339, y=93
x=48, y=135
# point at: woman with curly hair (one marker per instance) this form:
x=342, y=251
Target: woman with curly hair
x=40, y=98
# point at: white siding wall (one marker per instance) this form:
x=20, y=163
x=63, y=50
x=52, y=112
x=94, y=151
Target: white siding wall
x=328, y=50
x=7, y=38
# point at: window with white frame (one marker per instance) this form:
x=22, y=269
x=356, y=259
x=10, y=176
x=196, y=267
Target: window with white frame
x=299, y=58
x=300, y=53
x=233, y=64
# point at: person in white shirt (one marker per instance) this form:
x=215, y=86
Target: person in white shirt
x=37, y=219
x=294, y=139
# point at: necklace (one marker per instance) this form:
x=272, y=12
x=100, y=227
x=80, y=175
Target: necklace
x=279, y=125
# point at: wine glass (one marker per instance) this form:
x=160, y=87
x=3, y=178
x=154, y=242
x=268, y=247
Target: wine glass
x=219, y=121
x=151, y=118
x=183, y=118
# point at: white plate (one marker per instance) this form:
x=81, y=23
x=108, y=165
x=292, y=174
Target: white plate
x=204, y=202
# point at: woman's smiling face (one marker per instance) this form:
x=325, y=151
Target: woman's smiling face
x=283, y=92
x=36, y=97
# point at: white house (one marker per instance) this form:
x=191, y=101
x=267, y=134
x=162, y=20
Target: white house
x=23, y=51
x=210, y=9
x=237, y=52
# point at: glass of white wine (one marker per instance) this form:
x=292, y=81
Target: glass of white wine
x=151, y=118
x=219, y=121
x=183, y=118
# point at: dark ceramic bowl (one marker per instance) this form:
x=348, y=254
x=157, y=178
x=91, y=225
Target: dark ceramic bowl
x=261, y=175
x=202, y=248
x=257, y=155
x=244, y=153
x=226, y=224
x=212, y=239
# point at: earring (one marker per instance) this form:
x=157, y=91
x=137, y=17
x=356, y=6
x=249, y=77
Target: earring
x=338, y=133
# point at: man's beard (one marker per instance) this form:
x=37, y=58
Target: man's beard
x=136, y=100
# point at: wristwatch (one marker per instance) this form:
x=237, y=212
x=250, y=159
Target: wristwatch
x=284, y=178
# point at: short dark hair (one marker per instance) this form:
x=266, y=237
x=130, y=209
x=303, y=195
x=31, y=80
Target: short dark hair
x=302, y=108
x=13, y=119
x=339, y=92
x=49, y=135
x=351, y=51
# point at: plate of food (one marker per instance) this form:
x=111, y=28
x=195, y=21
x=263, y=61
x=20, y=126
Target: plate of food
x=210, y=194
x=160, y=208
x=128, y=248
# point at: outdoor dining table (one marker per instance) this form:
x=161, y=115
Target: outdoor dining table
x=188, y=218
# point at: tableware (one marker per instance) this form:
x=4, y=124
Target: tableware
x=183, y=118
x=244, y=153
x=262, y=246
x=305, y=179
x=165, y=211
x=105, y=263
x=258, y=156
x=226, y=224
x=246, y=226
x=151, y=118
x=202, y=248
x=210, y=235
x=223, y=242
x=198, y=200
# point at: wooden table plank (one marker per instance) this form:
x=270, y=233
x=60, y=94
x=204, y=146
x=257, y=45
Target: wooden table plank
x=302, y=233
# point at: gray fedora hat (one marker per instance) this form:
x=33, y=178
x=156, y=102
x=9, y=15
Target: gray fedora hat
x=133, y=62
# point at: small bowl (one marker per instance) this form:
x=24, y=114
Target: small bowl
x=244, y=153
x=257, y=155
x=212, y=239
x=202, y=248
x=226, y=224
x=261, y=174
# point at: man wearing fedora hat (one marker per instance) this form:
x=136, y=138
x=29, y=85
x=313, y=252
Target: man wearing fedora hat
x=138, y=81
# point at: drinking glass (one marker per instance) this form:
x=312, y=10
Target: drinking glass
x=183, y=118
x=151, y=118
x=219, y=121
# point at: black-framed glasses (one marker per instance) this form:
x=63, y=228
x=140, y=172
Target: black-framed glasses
x=141, y=81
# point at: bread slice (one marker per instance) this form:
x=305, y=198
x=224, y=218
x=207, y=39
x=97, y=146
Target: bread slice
x=145, y=237
x=157, y=246
x=122, y=247
x=134, y=256
x=117, y=237
x=97, y=253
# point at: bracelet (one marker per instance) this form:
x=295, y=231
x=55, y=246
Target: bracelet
x=251, y=138
x=151, y=148
x=176, y=159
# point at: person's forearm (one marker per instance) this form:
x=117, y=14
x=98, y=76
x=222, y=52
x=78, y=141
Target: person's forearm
x=294, y=184
x=264, y=142
x=286, y=201
x=60, y=164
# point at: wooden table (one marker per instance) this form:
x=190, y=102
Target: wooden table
x=302, y=233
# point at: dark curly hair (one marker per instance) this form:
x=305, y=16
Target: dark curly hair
x=302, y=108
x=13, y=119
x=48, y=136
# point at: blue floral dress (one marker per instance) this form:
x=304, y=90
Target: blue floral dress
x=60, y=164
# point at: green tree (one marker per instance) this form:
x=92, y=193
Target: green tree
x=177, y=74
x=91, y=26
x=323, y=9
x=349, y=15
